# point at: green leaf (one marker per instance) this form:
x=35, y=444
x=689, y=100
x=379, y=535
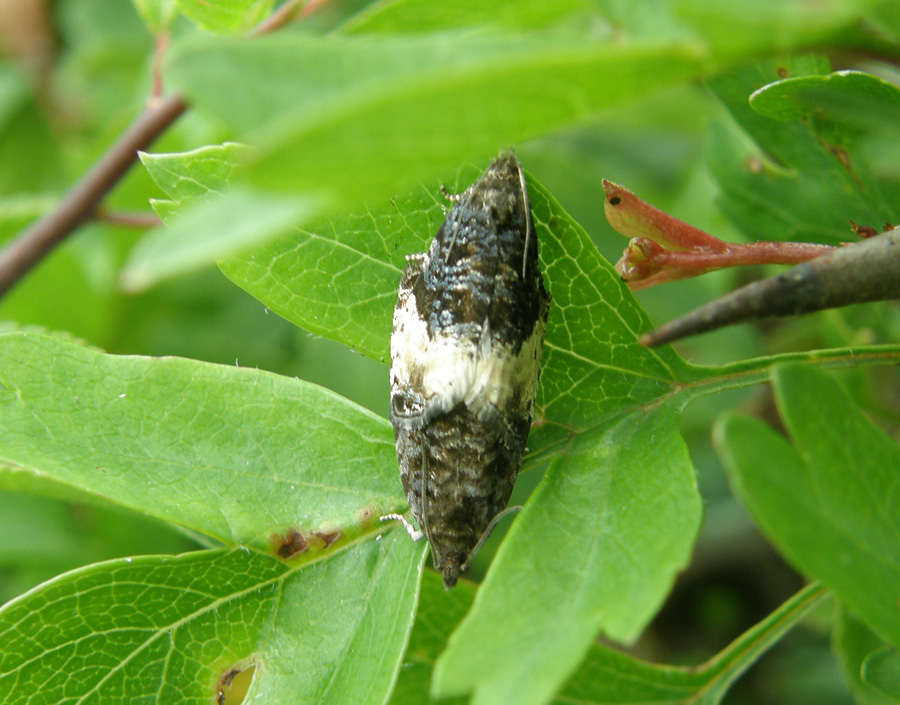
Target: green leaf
x=830, y=504
x=593, y=365
x=430, y=102
x=793, y=181
x=225, y=16
x=420, y=16
x=170, y=628
x=338, y=278
x=157, y=14
x=438, y=613
x=616, y=518
x=209, y=230
x=239, y=455
x=853, y=95
x=196, y=176
x=606, y=675
x=206, y=218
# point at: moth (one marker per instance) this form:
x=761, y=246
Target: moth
x=468, y=331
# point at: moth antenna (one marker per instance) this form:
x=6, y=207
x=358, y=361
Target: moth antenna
x=490, y=528
x=528, y=224
x=423, y=487
x=452, y=241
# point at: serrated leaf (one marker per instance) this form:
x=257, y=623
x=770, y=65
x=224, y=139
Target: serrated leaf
x=618, y=514
x=161, y=628
x=829, y=504
x=206, y=219
x=606, y=676
x=197, y=175
x=240, y=455
x=225, y=16
x=791, y=182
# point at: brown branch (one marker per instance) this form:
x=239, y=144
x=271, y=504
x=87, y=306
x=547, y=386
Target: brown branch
x=80, y=203
x=83, y=199
x=865, y=271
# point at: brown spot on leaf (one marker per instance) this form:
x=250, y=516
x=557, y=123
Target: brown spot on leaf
x=294, y=542
x=328, y=537
x=615, y=200
x=863, y=231
x=289, y=544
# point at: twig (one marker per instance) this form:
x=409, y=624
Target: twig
x=865, y=271
x=127, y=219
x=82, y=200
x=79, y=204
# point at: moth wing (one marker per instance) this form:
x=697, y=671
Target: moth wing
x=409, y=343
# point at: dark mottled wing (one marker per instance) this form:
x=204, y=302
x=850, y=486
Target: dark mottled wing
x=465, y=357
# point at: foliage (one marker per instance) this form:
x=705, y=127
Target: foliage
x=310, y=164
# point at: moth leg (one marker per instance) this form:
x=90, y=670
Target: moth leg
x=452, y=197
x=414, y=533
